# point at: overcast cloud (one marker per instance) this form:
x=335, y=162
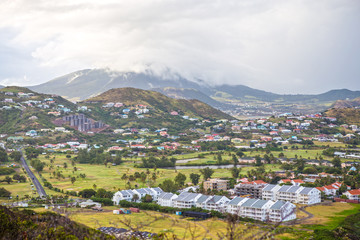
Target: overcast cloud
x=297, y=46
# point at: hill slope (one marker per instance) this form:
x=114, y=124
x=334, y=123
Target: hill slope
x=188, y=93
x=345, y=115
x=27, y=224
x=159, y=102
x=22, y=109
x=347, y=103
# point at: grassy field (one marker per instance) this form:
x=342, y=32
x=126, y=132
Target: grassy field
x=290, y=153
x=107, y=177
x=329, y=217
x=16, y=188
x=151, y=221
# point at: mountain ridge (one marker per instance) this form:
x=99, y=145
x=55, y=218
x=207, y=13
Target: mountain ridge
x=86, y=83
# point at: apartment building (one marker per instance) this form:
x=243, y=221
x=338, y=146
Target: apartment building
x=294, y=194
x=166, y=199
x=128, y=195
x=186, y=200
x=216, y=184
x=252, y=190
x=216, y=203
x=263, y=210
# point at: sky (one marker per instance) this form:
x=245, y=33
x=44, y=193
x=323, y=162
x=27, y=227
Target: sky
x=282, y=46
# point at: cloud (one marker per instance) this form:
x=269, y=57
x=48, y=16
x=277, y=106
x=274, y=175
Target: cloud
x=281, y=46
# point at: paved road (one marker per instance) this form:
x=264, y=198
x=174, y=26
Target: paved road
x=36, y=182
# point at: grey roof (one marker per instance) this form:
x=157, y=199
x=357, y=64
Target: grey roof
x=259, y=203
x=147, y=190
x=249, y=202
x=236, y=201
x=186, y=197
x=293, y=189
x=284, y=188
x=306, y=190
x=269, y=187
x=215, y=199
x=141, y=191
x=202, y=199
x=166, y=195
x=157, y=189
x=278, y=205
x=127, y=192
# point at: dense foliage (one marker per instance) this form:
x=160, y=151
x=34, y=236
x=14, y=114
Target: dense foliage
x=6, y=171
x=348, y=229
x=4, y=192
x=152, y=162
x=27, y=224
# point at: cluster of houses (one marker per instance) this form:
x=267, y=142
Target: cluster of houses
x=139, y=110
x=46, y=103
x=275, y=202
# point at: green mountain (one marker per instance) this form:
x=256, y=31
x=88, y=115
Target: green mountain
x=158, y=109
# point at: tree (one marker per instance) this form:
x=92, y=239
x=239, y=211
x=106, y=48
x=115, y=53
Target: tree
x=8, y=179
x=16, y=156
x=207, y=172
x=180, y=179
x=135, y=198
x=342, y=189
x=38, y=165
x=87, y=193
x=336, y=162
x=300, y=164
x=73, y=179
x=65, y=165
x=102, y=193
x=124, y=177
x=148, y=198
x=143, y=177
x=240, y=153
x=32, y=152
x=4, y=192
x=168, y=186
x=19, y=178
x=258, y=160
x=194, y=178
x=235, y=160
x=235, y=172
x=154, y=177
x=3, y=155
x=219, y=159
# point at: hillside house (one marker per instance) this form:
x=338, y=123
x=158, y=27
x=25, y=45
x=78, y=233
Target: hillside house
x=353, y=194
x=166, y=199
x=186, y=200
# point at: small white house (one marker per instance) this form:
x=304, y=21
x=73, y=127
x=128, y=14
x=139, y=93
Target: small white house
x=90, y=203
x=165, y=199
x=353, y=194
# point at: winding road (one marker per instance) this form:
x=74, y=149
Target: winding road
x=36, y=182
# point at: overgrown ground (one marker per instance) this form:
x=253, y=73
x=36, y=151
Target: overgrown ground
x=183, y=228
